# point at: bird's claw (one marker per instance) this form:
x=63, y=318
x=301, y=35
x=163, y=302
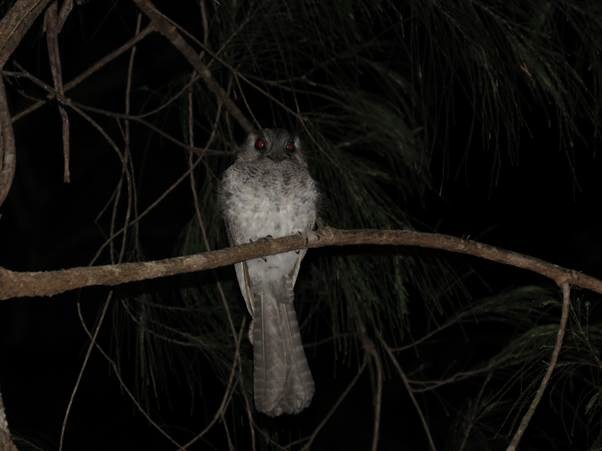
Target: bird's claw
x=305, y=240
x=264, y=238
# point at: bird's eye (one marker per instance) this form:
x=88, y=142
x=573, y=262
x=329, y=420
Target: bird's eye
x=290, y=146
x=260, y=143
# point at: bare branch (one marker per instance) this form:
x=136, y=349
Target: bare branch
x=408, y=387
x=48, y=283
x=167, y=29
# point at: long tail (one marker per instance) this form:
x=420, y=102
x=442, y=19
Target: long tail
x=282, y=380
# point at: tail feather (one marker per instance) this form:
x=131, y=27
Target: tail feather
x=283, y=383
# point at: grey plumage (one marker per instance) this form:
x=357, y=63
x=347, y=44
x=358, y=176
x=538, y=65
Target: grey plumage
x=268, y=192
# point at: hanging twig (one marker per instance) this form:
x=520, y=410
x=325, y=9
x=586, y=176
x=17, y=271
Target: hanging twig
x=370, y=350
x=408, y=387
x=53, y=23
x=310, y=440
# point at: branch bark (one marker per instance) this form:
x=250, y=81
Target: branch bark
x=13, y=27
x=167, y=29
x=15, y=24
x=8, y=157
x=48, y=283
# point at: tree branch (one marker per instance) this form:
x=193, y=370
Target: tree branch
x=167, y=29
x=8, y=157
x=15, y=24
x=13, y=27
x=53, y=23
x=48, y=283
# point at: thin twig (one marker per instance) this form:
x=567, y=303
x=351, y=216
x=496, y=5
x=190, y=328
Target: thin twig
x=167, y=29
x=66, y=101
x=123, y=385
x=334, y=408
x=221, y=410
x=410, y=391
x=370, y=350
x=47, y=283
x=129, y=186
x=88, y=72
x=566, y=301
x=82, y=369
x=53, y=24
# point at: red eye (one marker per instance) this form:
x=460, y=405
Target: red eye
x=260, y=143
x=290, y=146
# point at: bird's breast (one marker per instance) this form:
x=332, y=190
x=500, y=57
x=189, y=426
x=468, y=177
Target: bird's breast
x=272, y=204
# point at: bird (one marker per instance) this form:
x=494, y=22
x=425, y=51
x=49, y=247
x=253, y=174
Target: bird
x=269, y=192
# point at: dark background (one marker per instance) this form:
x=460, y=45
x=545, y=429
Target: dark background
x=544, y=201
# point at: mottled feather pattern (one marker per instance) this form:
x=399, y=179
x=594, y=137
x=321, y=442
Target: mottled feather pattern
x=270, y=193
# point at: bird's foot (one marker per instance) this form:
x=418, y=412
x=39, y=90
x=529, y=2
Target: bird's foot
x=305, y=241
x=264, y=238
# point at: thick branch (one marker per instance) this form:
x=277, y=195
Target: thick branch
x=48, y=283
x=8, y=158
x=15, y=24
x=13, y=27
x=167, y=29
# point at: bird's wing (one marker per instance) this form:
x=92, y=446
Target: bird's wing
x=301, y=254
x=244, y=282
x=242, y=273
x=295, y=271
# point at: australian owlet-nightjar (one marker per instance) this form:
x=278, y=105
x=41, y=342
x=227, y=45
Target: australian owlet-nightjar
x=268, y=191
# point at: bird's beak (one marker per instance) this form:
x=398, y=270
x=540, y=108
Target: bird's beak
x=276, y=156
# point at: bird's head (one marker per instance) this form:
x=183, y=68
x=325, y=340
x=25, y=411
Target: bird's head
x=275, y=144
